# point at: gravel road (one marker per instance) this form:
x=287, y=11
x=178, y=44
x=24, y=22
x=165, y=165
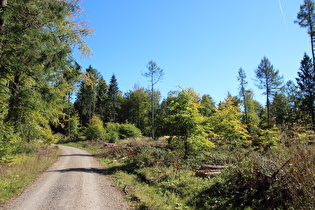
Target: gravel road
x=76, y=181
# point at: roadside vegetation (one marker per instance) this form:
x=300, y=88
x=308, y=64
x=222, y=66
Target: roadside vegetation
x=24, y=168
x=154, y=176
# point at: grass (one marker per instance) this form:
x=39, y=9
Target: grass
x=17, y=175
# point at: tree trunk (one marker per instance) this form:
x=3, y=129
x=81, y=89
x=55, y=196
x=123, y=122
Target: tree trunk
x=3, y=4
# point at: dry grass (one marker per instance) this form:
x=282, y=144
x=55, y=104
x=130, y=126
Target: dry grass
x=17, y=175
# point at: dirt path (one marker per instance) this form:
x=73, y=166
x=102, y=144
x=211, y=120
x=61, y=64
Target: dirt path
x=76, y=181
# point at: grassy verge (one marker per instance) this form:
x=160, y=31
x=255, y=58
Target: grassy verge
x=17, y=175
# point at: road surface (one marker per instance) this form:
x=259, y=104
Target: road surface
x=76, y=181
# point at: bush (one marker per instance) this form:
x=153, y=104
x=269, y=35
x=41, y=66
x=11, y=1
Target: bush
x=115, y=131
x=95, y=129
x=112, y=132
x=129, y=131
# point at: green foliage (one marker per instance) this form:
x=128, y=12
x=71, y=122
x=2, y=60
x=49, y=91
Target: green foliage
x=129, y=131
x=112, y=132
x=225, y=123
x=95, y=129
x=184, y=121
x=136, y=109
x=268, y=138
x=8, y=143
x=116, y=131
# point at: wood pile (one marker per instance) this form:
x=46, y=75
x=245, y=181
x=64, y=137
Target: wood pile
x=209, y=170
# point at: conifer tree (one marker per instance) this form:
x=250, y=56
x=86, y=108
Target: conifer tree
x=306, y=19
x=242, y=79
x=306, y=84
x=114, y=99
x=269, y=80
x=85, y=103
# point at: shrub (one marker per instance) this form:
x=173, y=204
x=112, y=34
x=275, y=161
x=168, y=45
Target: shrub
x=129, y=131
x=115, y=131
x=95, y=129
x=112, y=132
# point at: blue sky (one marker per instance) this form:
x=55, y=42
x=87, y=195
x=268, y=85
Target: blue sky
x=199, y=44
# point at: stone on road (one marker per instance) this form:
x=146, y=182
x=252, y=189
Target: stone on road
x=76, y=181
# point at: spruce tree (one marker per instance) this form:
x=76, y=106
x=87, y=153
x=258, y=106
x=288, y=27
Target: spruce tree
x=306, y=84
x=114, y=96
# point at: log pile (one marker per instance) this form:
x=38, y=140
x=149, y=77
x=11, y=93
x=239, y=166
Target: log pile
x=209, y=170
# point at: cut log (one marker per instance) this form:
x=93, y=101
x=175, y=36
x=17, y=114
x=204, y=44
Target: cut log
x=111, y=145
x=207, y=173
x=211, y=167
x=120, y=159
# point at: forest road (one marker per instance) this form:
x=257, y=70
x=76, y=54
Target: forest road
x=75, y=181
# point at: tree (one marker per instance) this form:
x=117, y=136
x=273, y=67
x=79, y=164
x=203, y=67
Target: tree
x=85, y=103
x=269, y=80
x=102, y=99
x=225, y=123
x=242, y=79
x=185, y=123
x=114, y=99
x=136, y=108
x=254, y=111
x=279, y=108
x=155, y=74
x=95, y=129
x=306, y=84
x=306, y=19
x=292, y=93
x=207, y=106
x=37, y=40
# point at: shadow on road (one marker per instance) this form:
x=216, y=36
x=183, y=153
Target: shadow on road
x=79, y=155
x=85, y=170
